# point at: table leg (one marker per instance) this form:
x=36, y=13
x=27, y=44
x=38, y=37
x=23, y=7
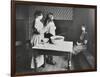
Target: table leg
x=69, y=61
x=44, y=60
x=35, y=63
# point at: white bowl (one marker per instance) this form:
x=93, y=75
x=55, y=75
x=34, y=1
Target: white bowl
x=45, y=40
x=57, y=39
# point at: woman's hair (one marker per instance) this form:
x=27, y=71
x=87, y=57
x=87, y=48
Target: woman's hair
x=48, y=19
x=83, y=25
x=37, y=13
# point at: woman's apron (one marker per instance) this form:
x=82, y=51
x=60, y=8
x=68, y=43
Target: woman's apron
x=36, y=39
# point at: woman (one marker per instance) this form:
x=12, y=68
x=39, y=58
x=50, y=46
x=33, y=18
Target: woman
x=50, y=31
x=38, y=35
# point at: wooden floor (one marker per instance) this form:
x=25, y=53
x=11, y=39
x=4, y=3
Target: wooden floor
x=61, y=65
x=79, y=62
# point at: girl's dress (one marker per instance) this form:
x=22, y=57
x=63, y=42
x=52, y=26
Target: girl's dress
x=50, y=28
x=82, y=46
x=35, y=40
x=83, y=37
x=50, y=31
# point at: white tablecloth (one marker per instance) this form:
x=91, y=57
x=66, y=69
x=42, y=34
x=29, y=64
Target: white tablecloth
x=66, y=46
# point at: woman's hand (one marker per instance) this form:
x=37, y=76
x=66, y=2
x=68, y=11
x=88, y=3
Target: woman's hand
x=85, y=41
x=45, y=40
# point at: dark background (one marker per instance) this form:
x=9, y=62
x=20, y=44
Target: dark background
x=69, y=27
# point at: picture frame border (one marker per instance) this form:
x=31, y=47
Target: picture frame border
x=13, y=36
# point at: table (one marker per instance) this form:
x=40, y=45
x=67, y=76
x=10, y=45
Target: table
x=64, y=48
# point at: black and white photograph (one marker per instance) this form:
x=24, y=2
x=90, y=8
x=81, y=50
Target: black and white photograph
x=54, y=38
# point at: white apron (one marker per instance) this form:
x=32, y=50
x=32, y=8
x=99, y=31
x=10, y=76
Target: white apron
x=36, y=39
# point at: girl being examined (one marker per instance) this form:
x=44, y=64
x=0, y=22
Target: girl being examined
x=50, y=31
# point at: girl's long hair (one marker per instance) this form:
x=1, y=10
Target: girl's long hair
x=48, y=19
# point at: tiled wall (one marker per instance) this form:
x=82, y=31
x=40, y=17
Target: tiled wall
x=60, y=13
